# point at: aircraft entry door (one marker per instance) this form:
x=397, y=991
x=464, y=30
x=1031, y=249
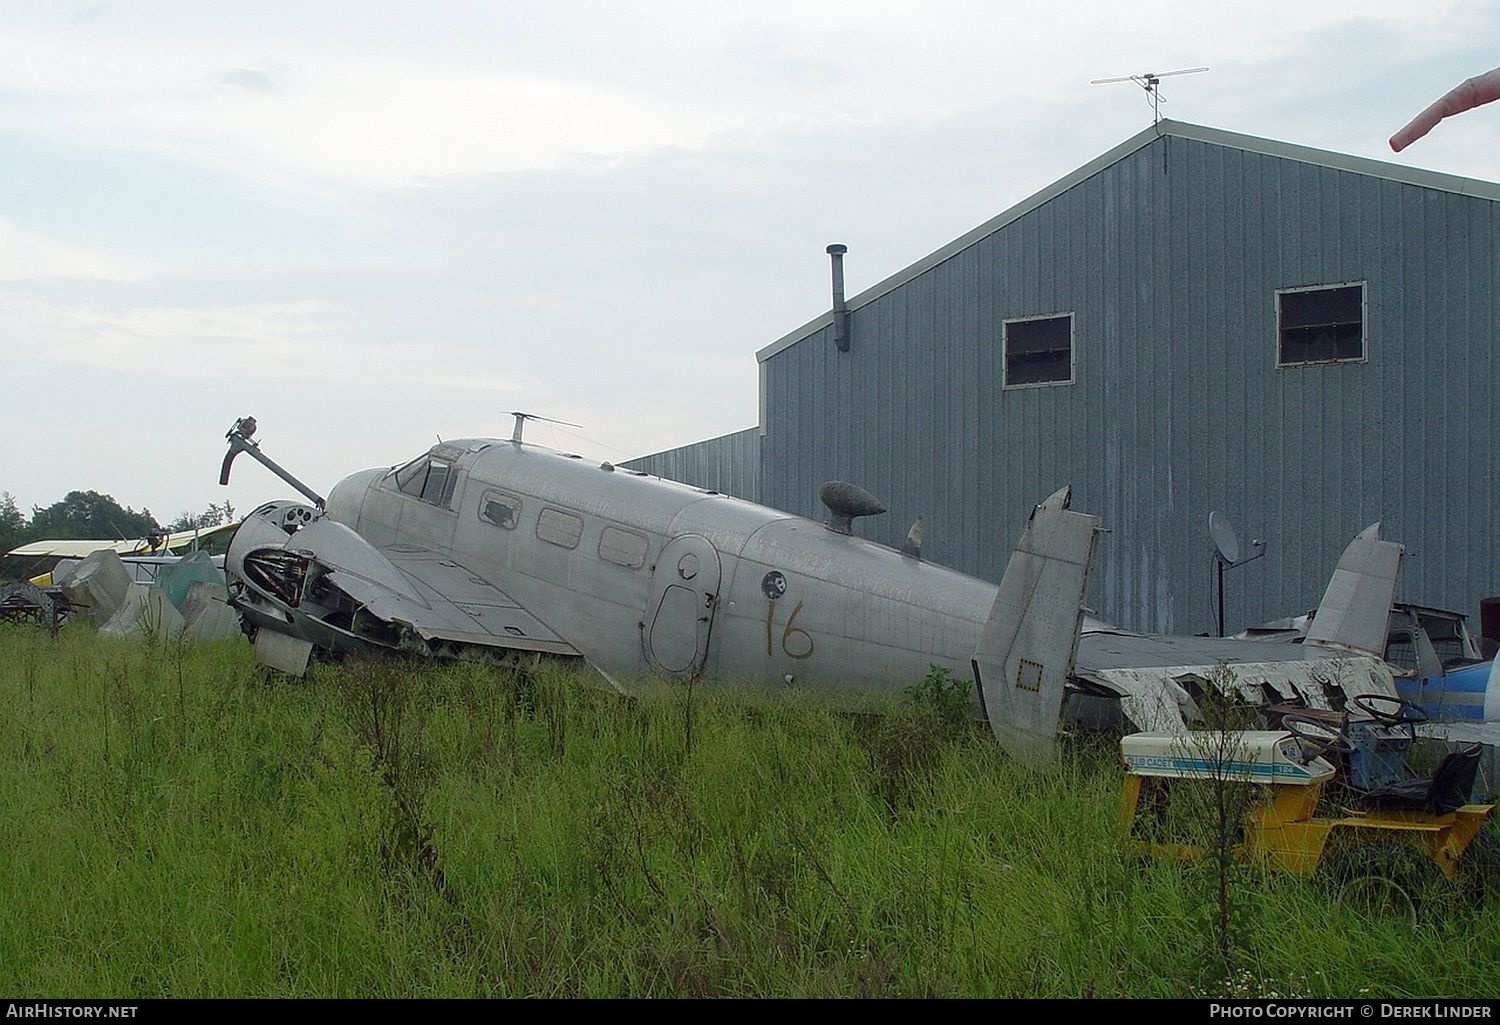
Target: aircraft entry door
x=684, y=600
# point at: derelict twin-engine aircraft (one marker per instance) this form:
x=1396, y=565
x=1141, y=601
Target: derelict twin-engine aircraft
x=508, y=551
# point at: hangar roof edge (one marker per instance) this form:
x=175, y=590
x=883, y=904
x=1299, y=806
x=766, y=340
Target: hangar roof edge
x=1254, y=144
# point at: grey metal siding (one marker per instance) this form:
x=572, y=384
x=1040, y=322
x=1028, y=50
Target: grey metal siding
x=1169, y=260
x=729, y=464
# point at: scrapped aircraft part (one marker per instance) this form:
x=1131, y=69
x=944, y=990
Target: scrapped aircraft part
x=683, y=604
x=146, y=612
x=99, y=584
x=320, y=581
x=79, y=548
x=457, y=605
x=282, y=652
x=846, y=501
x=1461, y=692
x=208, y=613
x=1355, y=612
x=23, y=602
x=1027, y=646
x=239, y=441
x=1167, y=698
x=513, y=553
x=279, y=572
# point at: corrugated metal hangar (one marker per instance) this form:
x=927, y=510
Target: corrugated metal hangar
x=1195, y=321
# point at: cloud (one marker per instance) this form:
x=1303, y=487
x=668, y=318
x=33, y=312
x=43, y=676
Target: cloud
x=366, y=120
x=249, y=78
x=27, y=256
x=302, y=343
x=597, y=212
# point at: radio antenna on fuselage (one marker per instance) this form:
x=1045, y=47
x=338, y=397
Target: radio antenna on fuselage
x=521, y=419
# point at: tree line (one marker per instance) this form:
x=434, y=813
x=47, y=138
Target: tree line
x=92, y=516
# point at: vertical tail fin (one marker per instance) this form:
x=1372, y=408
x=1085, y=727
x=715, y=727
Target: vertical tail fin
x=1355, y=612
x=1027, y=646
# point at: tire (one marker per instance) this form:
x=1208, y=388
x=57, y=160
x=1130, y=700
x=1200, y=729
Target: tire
x=1389, y=879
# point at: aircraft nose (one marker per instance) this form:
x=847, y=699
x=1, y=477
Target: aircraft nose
x=348, y=497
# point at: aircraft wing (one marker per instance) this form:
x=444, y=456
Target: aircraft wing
x=185, y=538
x=295, y=572
x=78, y=549
x=1156, y=676
x=447, y=602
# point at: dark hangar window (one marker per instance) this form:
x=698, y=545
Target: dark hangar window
x=1039, y=350
x=1320, y=324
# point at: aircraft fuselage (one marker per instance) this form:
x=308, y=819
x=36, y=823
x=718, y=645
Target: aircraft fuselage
x=648, y=576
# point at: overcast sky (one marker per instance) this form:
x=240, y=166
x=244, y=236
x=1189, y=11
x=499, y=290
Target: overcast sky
x=369, y=224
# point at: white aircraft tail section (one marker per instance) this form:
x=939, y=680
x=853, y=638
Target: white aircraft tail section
x=1355, y=613
x=1027, y=646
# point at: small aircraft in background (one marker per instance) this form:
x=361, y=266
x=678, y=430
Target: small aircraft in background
x=1434, y=657
x=144, y=557
x=504, y=551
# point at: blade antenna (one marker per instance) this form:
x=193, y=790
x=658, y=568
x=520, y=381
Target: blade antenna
x=521, y=419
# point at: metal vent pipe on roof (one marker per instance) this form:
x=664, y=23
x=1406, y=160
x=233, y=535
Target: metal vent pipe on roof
x=836, y=253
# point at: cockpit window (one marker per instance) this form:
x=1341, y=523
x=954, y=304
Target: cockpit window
x=429, y=479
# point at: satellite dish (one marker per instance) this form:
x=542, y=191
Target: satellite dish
x=1229, y=553
x=1226, y=538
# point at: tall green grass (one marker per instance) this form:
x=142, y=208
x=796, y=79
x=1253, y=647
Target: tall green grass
x=175, y=822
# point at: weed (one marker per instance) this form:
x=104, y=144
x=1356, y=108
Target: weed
x=942, y=697
x=401, y=829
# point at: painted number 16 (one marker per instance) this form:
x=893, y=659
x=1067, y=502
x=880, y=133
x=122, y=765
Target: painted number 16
x=795, y=641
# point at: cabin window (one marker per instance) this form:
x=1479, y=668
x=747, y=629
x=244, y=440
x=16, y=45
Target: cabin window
x=1401, y=651
x=1450, y=640
x=1039, y=350
x=559, y=528
x=1320, y=324
x=501, y=509
x=623, y=547
x=429, y=479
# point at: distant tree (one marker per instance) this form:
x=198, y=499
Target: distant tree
x=213, y=516
x=13, y=527
x=88, y=514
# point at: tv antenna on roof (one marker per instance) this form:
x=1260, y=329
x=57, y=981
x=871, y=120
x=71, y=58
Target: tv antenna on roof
x=1151, y=82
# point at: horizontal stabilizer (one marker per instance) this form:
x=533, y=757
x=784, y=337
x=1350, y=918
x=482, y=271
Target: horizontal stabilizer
x=1027, y=646
x=1355, y=612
